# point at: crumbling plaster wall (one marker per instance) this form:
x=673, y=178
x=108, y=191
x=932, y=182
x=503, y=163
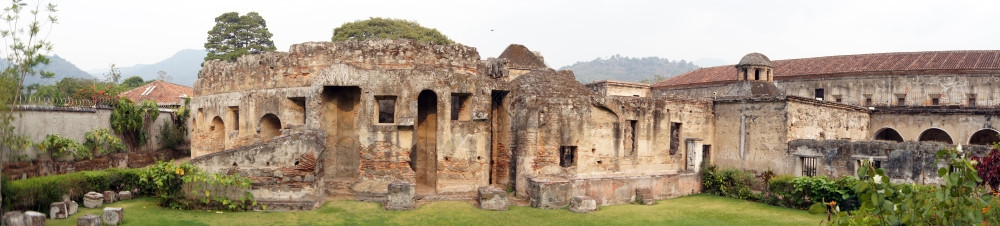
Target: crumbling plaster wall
x=952, y=88
x=904, y=162
x=752, y=133
x=811, y=119
x=552, y=110
x=260, y=84
x=960, y=124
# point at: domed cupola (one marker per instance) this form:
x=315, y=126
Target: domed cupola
x=755, y=67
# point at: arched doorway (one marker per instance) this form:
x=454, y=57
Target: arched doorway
x=217, y=135
x=935, y=135
x=984, y=137
x=424, y=159
x=888, y=134
x=270, y=126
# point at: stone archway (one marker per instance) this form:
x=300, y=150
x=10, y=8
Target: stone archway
x=935, y=135
x=984, y=137
x=270, y=127
x=217, y=135
x=888, y=134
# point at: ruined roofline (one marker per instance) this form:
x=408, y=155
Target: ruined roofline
x=944, y=109
x=782, y=98
x=621, y=83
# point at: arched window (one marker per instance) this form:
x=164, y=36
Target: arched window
x=888, y=134
x=984, y=137
x=270, y=126
x=935, y=135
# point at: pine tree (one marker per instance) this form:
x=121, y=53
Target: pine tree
x=234, y=36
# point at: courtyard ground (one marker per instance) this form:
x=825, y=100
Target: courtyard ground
x=691, y=210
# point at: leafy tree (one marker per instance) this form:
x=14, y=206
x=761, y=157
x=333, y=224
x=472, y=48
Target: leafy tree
x=386, y=28
x=26, y=49
x=113, y=75
x=132, y=82
x=234, y=36
x=131, y=121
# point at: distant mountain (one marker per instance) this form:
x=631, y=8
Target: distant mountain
x=60, y=67
x=617, y=67
x=182, y=67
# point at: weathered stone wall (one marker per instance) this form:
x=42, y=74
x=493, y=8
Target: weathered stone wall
x=752, y=134
x=36, y=122
x=959, y=124
x=336, y=88
x=622, y=142
x=619, y=88
x=904, y=162
x=812, y=119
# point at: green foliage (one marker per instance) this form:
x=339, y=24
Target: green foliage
x=131, y=121
x=386, y=28
x=959, y=201
x=25, y=50
x=133, y=82
x=58, y=146
x=733, y=183
x=38, y=193
x=102, y=142
x=167, y=181
x=173, y=134
x=802, y=192
x=234, y=36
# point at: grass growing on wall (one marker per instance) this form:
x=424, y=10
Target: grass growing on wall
x=690, y=210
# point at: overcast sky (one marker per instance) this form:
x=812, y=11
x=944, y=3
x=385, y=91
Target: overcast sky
x=95, y=33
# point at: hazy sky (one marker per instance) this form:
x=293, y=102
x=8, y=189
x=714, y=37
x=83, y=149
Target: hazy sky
x=95, y=33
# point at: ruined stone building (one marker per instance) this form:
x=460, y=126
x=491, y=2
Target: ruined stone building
x=344, y=120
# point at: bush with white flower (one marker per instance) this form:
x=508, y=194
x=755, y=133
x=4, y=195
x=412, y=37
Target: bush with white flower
x=958, y=201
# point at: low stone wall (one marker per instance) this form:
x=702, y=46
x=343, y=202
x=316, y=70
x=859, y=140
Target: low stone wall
x=904, y=162
x=284, y=170
x=44, y=167
x=553, y=193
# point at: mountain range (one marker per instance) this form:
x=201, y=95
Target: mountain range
x=631, y=69
x=57, y=65
x=182, y=68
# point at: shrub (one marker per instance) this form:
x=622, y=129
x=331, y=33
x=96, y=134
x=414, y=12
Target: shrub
x=166, y=182
x=988, y=168
x=102, y=142
x=959, y=201
x=59, y=146
x=171, y=136
x=38, y=193
x=130, y=120
x=733, y=183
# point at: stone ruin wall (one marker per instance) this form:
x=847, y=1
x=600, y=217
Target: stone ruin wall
x=332, y=90
x=621, y=143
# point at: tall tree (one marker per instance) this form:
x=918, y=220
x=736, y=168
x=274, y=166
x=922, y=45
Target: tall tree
x=113, y=75
x=234, y=36
x=26, y=49
x=386, y=28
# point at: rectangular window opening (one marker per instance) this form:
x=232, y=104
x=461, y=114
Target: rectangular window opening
x=675, y=137
x=633, y=145
x=868, y=101
x=809, y=166
x=900, y=101
x=234, y=112
x=819, y=94
x=935, y=101
x=386, y=109
x=972, y=100
x=567, y=156
x=461, y=109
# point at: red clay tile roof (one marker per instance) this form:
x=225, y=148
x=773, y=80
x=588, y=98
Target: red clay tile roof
x=164, y=93
x=904, y=63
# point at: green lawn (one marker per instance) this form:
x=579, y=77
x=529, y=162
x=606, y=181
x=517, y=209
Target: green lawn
x=690, y=210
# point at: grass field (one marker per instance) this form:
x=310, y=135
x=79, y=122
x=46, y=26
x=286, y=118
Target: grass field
x=690, y=210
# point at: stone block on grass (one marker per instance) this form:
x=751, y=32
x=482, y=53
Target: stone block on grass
x=88, y=220
x=14, y=218
x=548, y=193
x=492, y=198
x=400, y=196
x=93, y=200
x=124, y=195
x=71, y=207
x=113, y=216
x=110, y=197
x=582, y=204
x=58, y=210
x=33, y=218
